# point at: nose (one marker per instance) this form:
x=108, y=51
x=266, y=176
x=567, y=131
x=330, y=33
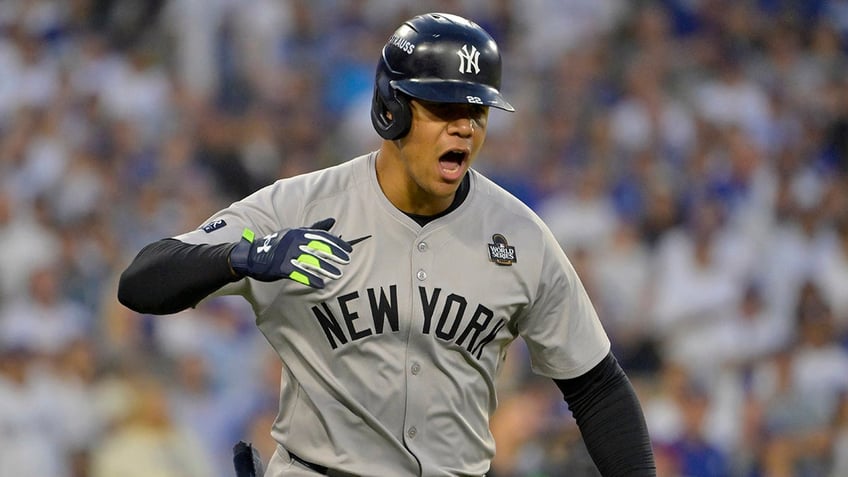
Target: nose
x=462, y=126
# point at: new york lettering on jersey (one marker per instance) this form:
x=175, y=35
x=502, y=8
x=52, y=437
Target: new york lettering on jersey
x=446, y=316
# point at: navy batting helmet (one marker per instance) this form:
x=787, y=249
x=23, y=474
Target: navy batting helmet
x=436, y=57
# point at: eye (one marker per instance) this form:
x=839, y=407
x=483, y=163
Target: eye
x=478, y=112
x=444, y=111
x=451, y=111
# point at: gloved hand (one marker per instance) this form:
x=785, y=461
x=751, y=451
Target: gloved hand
x=302, y=254
x=247, y=461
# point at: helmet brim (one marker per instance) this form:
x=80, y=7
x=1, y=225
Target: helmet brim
x=452, y=91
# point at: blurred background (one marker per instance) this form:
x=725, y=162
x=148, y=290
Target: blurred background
x=691, y=156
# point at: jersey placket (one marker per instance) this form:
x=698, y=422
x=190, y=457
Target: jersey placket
x=416, y=363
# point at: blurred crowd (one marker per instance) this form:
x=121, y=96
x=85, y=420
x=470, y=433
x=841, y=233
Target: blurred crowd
x=691, y=156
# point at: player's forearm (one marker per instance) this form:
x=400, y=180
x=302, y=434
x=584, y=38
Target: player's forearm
x=611, y=421
x=169, y=276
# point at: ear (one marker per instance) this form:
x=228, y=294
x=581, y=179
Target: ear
x=390, y=112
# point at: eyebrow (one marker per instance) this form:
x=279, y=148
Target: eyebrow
x=435, y=107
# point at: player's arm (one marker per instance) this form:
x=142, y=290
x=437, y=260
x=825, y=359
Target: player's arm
x=169, y=275
x=610, y=418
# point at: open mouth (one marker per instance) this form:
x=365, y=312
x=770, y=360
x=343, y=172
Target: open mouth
x=451, y=161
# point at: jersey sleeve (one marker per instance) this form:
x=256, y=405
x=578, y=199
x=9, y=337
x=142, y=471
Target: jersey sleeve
x=266, y=211
x=561, y=328
x=259, y=211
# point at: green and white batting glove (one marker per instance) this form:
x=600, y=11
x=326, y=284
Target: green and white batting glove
x=305, y=255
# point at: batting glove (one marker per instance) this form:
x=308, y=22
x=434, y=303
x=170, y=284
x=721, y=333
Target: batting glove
x=247, y=461
x=302, y=254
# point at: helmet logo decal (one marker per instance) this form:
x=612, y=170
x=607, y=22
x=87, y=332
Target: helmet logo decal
x=468, y=60
x=402, y=43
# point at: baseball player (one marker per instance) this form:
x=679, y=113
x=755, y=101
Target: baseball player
x=392, y=284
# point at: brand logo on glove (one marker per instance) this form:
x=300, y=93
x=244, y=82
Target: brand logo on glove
x=266, y=245
x=501, y=252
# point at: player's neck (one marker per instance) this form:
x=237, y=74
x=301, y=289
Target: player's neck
x=458, y=198
x=402, y=191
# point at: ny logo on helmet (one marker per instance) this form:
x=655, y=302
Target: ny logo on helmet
x=468, y=59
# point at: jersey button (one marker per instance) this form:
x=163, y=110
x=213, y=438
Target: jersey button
x=422, y=246
x=412, y=432
x=422, y=275
x=416, y=368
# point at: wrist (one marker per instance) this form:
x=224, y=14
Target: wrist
x=237, y=259
x=233, y=272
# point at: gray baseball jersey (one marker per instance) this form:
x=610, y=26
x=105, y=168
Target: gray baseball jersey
x=390, y=370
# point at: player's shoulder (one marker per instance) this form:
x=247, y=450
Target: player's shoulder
x=500, y=200
x=321, y=183
x=496, y=211
x=328, y=178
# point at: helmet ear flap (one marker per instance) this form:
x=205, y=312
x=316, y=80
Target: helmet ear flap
x=390, y=113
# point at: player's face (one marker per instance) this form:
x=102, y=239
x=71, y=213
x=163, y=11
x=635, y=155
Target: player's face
x=438, y=151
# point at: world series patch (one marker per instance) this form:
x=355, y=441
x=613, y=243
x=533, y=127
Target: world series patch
x=501, y=252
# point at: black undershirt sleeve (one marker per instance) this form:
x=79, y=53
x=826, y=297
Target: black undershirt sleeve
x=610, y=418
x=169, y=276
